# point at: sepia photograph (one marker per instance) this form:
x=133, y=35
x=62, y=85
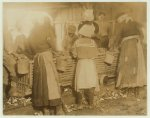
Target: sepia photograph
x=74, y=58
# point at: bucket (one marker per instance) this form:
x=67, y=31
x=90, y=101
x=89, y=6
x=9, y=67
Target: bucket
x=109, y=58
x=61, y=63
x=23, y=66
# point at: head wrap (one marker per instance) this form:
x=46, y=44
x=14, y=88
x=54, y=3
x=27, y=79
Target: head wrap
x=120, y=14
x=125, y=17
x=87, y=30
x=88, y=15
x=71, y=29
x=101, y=13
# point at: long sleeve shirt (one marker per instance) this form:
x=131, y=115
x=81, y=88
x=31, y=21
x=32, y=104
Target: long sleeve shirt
x=104, y=28
x=41, y=39
x=124, y=30
x=68, y=42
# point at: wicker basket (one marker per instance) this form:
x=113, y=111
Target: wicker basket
x=23, y=66
x=24, y=83
x=67, y=77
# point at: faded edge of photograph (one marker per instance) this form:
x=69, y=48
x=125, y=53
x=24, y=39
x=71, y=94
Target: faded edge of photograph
x=75, y=58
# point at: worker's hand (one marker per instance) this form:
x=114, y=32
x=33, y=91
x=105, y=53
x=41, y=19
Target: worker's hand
x=111, y=49
x=10, y=53
x=74, y=56
x=22, y=56
x=95, y=36
x=15, y=55
x=116, y=49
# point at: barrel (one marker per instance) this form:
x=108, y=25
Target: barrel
x=23, y=66
x=109, y=58
x=61, y=63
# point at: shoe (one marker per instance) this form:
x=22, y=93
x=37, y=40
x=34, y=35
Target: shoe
x=80, y=107
x=38, y=113
x=51, y=112
x=91, y=106
x=14, y=93
x=59, y=110
x=46, y=111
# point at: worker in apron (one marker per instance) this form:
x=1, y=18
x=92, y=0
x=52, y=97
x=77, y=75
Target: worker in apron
x=86, y=77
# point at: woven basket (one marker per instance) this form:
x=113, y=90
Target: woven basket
x=24, y=83
x=23, y=66
x=61, y=63
x=67, y=77
x=109, y=58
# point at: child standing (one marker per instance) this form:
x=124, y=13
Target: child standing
x=86, y=77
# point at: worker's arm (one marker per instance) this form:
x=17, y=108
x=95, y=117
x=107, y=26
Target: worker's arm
x=116, y=38
x=73, y=50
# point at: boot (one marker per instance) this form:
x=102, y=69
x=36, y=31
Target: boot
x=51, y=110
x=13, y=92
x=90, y=98
x=79, y=101
x=46, y=111
x=125, y=91
x=136, y=92
x=59, y=110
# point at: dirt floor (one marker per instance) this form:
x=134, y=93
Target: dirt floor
x=121, y=106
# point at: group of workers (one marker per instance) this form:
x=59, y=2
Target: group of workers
x=46, y=93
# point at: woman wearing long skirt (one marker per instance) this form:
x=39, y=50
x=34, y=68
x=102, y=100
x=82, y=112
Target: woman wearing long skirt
x=46, y=91
x=131, y=69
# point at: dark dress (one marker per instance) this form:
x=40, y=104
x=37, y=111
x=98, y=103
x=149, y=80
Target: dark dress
x=46, y=90
x=127, y=38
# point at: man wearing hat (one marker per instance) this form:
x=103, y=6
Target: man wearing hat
x=86, y=77
x=70, y=38
x=104, y=32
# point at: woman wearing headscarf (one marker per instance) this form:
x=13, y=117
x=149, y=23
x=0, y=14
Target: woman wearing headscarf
x=46, y=90
x=88, y=19
x=131, y=70
x=86, y=77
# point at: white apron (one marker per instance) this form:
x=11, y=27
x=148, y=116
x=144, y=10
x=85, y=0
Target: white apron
x=86, y=73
